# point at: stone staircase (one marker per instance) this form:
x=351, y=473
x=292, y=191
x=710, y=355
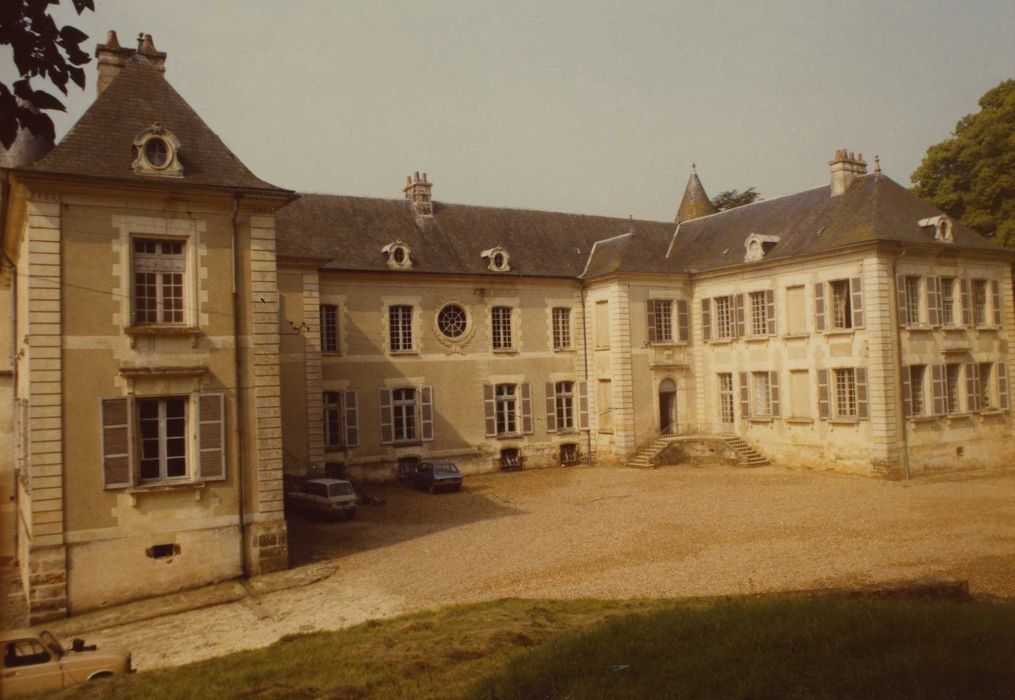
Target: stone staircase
x=643, y=458
x=748, y=455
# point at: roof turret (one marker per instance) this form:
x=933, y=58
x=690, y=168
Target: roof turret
x=695, y=203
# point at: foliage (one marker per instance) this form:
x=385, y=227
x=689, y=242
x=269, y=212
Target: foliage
x=41, y=49
x=734, y=198
x=971, y=175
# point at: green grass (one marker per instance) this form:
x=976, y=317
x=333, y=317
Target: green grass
x=729, y=648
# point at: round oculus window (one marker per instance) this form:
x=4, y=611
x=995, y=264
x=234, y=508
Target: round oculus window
x=156, y=152
x=451, y=321
x=498, y=261
x=398, y=254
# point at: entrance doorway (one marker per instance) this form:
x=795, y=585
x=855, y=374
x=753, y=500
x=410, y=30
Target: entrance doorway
x=667, y=407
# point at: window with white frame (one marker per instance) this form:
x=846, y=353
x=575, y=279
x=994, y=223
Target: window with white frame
x=162, y=432
x=561, y=328
x=564, y=403
x=953, y=390
x=761, y=394
x=759, y=313
x=980, y=302
x=917, y=374
x=662, y=313
x=159, y=267
x=333, y=423
x=913, y=299
x=724, y=317
x=400, y=327
x=501, y=321
x=506, y=409
x=948, y=301
x=329, y=328
x=726, y=399
x=403, y=414
x=986, y=374
x=842, y=307
x=845, y=393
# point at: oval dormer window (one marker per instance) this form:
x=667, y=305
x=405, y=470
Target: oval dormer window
x=497, y=259
x=157, y=152
x=398, y=255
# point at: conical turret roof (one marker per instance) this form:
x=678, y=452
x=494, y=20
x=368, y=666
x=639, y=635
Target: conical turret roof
x=695, y=203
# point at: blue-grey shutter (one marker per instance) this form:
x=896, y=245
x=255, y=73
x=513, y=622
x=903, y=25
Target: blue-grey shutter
x=551, y=409
x=773, y=384
x=907, y=393
x=1002, y=386
x=823, y=394
x=651, y=307
x=583, y=404
x=490, y=410
x=526, y=409
x=995, y=294
x=770, y=304
x=934, y=301
x=967, y=309
x=856, y=294
x=426, y=415
x=900, y=287
x=738, y=305
x=745, y=396
x=387, y=432
x=683, y=330
x=117, y=443
x=860, y=378
x=351, y=415
x=706, y=320
x=938, y=389
x=819, y=306
x=211, y=437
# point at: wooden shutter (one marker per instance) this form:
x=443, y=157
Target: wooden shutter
x=583, y=404
x=490, y=410
x=1002, y=386
x=526, y=409
x=651, y=306
x=426, y=413
x=683, y=330
x=117, y=443
x=938, y=387
x=745, y=396
x=819, y=306
x=934, y=301
x=967, y=309
x=551, y=409
x=823, y=394
x=706, y=320
x=900, y=288
x=907, y=393
x=211, y=437
x=773, y=385
x=995, y=296
x=856, y=294
x=972, y=387
x=860, y=378
x=770, y=304
x=738, y=304
x=387, y=434
x=351, y=416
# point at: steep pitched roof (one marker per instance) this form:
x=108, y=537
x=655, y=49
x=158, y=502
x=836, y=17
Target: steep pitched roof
x=100, y=144
x=695, y=203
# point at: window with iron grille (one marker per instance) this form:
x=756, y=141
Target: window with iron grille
x=663, y=313
x=162, y=432
x=506, y=409
x=400, y=327
x=501, y=319
x=726, y=405
x=332, y=419
x=916, y=393
x=761, y=390
x=724, y=317
x=158, y=281
x=561, y=328
x=564, y=401
x=329, y=328
x=845, y=393
x=403, y=414
x=842, y=307
x=986, y=386
x=953, y=387
x=913, y=300
x=759, y=313
x=980, y=302
x=948, y=301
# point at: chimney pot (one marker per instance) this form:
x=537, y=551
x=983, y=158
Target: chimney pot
x=417, y=191
x=846, y=167
x=112, y=57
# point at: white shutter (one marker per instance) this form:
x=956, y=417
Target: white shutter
x=351, y=420
x=426, y=414
x=387, y=429
x=551, y=409
x=211, y=437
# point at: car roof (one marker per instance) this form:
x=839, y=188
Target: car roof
x=23, y=633
x=441, y=464
x=327, y=481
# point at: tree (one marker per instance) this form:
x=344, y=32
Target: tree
x=971, y=176
x=40, y=50
x=734, y=198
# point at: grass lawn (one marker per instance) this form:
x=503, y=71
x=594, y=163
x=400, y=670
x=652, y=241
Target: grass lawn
x=748, y=647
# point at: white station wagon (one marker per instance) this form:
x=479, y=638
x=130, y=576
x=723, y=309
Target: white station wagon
x=35, y=661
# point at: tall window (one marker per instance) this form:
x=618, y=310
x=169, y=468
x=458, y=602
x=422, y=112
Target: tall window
x=759, y=314
x=561, y=328
x=761, y=390
x=564, y=401
x=726, y=405
x=845, y=393
x=948, y=301
x=986, y=394
x=329, y=328
x=952, y=386
x=158, y=281
x=913, y=300
x=501, y=319
x=980, y=302
x=403, y=414
x=724, y=317
x=400, y=327
x=506, y=409
x=916, y=394
x=662, y=310
x=332, y=419
x=842, y=308
x=162, y=428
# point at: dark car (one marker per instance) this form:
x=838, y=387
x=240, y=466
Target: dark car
x=437, y=476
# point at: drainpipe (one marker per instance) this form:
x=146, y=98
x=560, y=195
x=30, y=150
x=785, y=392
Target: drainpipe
x=585, y=357
x=237, y=364
x=900, y=402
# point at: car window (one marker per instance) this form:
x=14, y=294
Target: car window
x=423, y=468
x=317, y=490
x=446, y=469
x=24, y=652
x=340, y=489
x=50, y=641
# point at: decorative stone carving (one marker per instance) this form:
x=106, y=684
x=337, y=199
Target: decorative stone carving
x=156, y=152
x=399, y=255
x=497, y=259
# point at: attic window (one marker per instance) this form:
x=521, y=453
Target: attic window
x=498, y=259
x=757, y=246
x=156, y=152
x=398, y=255
x=943, y=226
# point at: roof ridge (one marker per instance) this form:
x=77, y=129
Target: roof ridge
x=760, y=201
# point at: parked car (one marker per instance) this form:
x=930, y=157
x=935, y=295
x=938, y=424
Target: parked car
x=437, y=476
x=34, y=661
x=327, y=497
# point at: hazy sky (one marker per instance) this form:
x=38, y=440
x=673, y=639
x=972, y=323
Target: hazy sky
x=596, y=107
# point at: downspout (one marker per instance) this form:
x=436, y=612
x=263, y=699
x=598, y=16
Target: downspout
x=241, y=458
x=585, y=358
x=900, y=405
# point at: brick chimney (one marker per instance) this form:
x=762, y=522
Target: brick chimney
x=417, y=191
x=846, y=167
x=112, y=57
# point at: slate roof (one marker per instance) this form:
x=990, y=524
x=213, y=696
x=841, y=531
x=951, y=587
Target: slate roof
x=100, y=144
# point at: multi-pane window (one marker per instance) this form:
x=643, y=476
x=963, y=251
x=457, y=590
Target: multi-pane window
x=948, y=301
x=986, y=394
x=400, y=327
x=332, y=419
x=501, y=320
x=162, y=431
x=564, y=403
x=329, y=328
x=913, y=299
x=724, y=317
x=506, y=409
x=980, y=302
x=561, y=328
x=759, y=313
x=158, y=281
x=726, y=405
x=761, y=390
x=845, y=393
x=842, y=308
x=662, y=311
x=916, y=393
x=403, y=414
x=953, y=387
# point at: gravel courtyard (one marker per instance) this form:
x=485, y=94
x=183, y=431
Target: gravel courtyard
x=602, y=532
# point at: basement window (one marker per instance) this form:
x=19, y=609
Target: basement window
x=510, y=458
x=569, y=453
x=163, y=551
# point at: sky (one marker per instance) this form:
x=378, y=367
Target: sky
x=592, y=107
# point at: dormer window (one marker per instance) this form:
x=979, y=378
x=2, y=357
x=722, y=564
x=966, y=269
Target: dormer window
x=157, y=153
x=497, y=258
x=398, y=255
x=943, y=226
x=757, y=246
